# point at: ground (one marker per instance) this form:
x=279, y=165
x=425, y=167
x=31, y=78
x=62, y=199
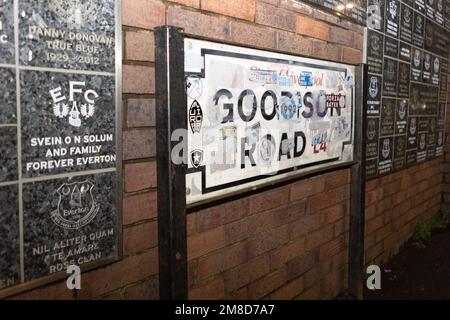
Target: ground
x=417, y=273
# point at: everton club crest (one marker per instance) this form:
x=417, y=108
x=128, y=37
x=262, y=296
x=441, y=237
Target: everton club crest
x=196, y=158
x=76, y=205
x=80, y=104
x=195, y=117
x=75, y=12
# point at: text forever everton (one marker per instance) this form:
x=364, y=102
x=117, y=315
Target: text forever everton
x=284, y=106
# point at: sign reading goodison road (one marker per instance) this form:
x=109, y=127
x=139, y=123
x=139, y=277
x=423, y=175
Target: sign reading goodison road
x=255, y=117
x=59, y=121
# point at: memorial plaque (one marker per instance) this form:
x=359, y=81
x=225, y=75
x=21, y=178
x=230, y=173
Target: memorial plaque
x=412, y=134
x=385, y=157
x=60, y=159
x=375, y=42
x=423, y=99
x=259, y=123
x=371, y=168
x=388, y=111
x=390, y=75
x=436, y=69
x=422, y=147
x=440, y=144
x=430, y=9
x=68, y=34
x=7, y=47
x=59, y=232
x=392, y=18
x=443, y=86
x=411, y=157
x=416, y=65
x=375, y=15
x=68, y=123
x=373, y=125
x=400, y=152
x=358, y=12
x=374, y=95
x=391, y=47
x=406, y=25
x=436, y=39
x=431, y=144
x=418, y=30
x=355, y=10
x=8, y=96
x=427, y=68
x=404, y=80
x=405, y=52
x=401, y=119
x=10, y=244
x=447, y=14
x=440, y=12
x=419, y=5
x=8, y=154
x=441, y=117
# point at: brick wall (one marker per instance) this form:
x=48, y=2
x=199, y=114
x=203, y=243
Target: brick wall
x=289, y=242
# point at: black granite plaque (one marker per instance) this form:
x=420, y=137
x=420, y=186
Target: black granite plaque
x=427, y=68
x=375, y=43
x=430, y=9
x=7, y=47
x=401, y=118
x=400, y=152
x=7, y=96
x=69, y=222
x=417, y=65
x=423, y=99
x=440, y=143
x=422, y=147
x=431, y=139
x=390, y=73
x=373, y=126
x=371, y=168
x=387, y=127
x=358, y=12
x=374, y=95
x=412, y=134
x=406, y=23
x=392, y=18
x=68, y=123
x=405, y=52
x=436, y=70
x=404, y=78
x=391, y=47
x=8, y=154
x=68, y=34
x=436, y=39
x=440, y=11
x=418, y=30
x=441, y=117
x=411, y=157
x=447, y=14
x=385, y=157
x=443, y=86
x=419, y=5
x=10, y=239
x=375, y=14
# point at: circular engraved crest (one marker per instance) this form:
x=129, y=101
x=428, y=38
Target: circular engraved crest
x=75, y=12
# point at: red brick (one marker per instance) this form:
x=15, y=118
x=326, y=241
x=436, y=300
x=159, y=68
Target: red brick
x=202, y=243
x=329, y=198
x=213, y=290
x=198, y=23
x=253, y=35
x=302, y=264
x=352, y=56
x=319, y=237
x=268, y=241
x=327, y=51
x=138, y=79
x=223, y=214
x=311, y=293
x=269, y=200
x=374, y=224
x=191, y=224
x=237, y=231
x=141, y=113
x=299, y=228
x=189, y=3
x=287, y=253
x=296, y=6
x=222, y=260
x=290, y=290
x=341, y=36
x=312, y=28
x=145, y=14
x=140, y=238
x=307, y=188
x=140, y=176
x=140, y=46
x=337, y=179
x=139, y=207
x=334, y=213
x=266, y=285
x=241, y=9
x=139, y=143
x=332, y=248
x=246, y=273
x=294, y=43
x=272, y=16
x=333, y=284
x=146, y=290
